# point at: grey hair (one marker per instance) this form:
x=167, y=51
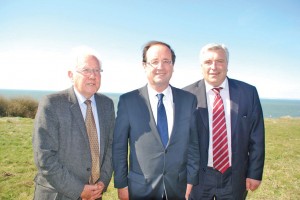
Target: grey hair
x=78, y=55
x=215, y=46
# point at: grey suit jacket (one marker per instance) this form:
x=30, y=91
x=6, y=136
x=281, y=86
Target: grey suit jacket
x=61, y=145
x=247, y=135
x=152, y=167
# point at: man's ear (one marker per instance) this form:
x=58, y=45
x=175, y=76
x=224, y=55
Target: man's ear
x=144, y=65
x=70, y=75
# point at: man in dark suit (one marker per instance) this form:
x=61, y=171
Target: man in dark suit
x=61, y=143
x=159, y=167
x=244, y=132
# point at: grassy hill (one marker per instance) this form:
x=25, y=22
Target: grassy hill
x=281, y=174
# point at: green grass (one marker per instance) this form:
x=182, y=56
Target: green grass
x=281, y=174
x=281, y=178
x=17, y=169
x=16, y=160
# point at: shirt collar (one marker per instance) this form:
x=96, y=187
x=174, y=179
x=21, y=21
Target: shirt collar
x=81, y=98
x=223, y=85
x=167, y=92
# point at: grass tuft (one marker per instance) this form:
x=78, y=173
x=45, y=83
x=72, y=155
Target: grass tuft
x=18, y=107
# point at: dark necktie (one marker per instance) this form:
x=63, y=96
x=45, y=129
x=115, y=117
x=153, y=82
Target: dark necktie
x=219, y=133
x=94, y=144
x=162, y=123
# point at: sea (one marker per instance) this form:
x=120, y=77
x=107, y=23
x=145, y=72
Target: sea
x=272, y=108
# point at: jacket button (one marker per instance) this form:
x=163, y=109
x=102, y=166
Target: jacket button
x=88, y=169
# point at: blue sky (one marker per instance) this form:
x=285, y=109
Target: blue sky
x=263, y=38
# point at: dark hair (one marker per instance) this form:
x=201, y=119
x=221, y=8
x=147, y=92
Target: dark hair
x=152, y=43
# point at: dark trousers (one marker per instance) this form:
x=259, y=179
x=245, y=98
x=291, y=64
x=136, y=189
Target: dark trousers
x=215, y=186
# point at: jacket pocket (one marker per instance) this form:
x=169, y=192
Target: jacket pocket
x=42, y=192
x=182, y=176
x=137, y=186
x=132, y=176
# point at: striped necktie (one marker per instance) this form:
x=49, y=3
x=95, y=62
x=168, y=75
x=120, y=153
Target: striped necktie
x=94, y=144
x=219, y=134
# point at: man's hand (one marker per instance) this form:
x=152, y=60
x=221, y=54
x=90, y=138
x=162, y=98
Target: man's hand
x=123, y=193
x=91, y=192
x=188, y=190
x=252, y=184
x=101, y=186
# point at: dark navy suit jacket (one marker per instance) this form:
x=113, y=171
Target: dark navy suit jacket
x=247, y=129
x=151, y=167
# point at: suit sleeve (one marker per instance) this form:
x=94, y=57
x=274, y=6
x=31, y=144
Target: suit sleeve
x=193, y=151
x=257, y=141
x=46, y=147
x=120, y=145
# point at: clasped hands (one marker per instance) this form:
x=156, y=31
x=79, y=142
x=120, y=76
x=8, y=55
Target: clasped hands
x=92, y=192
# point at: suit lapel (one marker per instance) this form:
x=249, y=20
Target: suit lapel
x=202, y=103
x=101, y=115
x=234, y=94
x=143, y=92
x=77, y=115
x=176, y=101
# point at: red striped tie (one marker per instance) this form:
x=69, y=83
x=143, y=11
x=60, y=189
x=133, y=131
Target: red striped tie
x=220, y=142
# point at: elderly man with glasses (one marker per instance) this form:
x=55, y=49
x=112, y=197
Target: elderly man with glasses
x=73, y=134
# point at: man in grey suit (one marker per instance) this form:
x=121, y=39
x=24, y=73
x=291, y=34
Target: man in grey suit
x=61, y=143
x=157, y=168
x=243, y=130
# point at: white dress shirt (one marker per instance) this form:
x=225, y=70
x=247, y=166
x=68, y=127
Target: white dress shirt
x=210, y=95
x=81, y=99
x=168, y=103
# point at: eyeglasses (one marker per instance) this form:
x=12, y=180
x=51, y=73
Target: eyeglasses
x=88, y=72
x=155, y=63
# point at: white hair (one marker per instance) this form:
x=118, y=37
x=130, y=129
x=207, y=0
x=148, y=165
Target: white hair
x=215, y=46
x=78, y=54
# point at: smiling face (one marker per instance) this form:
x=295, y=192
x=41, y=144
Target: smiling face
x=86, y=84
x=214, y=66
x=160, y=71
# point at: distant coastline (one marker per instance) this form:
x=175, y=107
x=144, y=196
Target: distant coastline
x=272, y=108
x=38, y=94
